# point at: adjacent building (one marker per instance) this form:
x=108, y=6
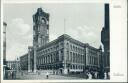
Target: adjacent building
x=105, y=39
x=13, y=65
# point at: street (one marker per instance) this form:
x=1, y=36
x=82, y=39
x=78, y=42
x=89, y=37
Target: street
x=43, y=76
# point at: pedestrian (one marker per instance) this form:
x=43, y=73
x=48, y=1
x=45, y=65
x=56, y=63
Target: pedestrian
x=89, y=75
x=21, y=73
x=95, y=75
x=105, y=75
x=53, y=72
x=108, y=75
x=38, y=72
x=47, y=75
x=86, y=75
x=12, y=75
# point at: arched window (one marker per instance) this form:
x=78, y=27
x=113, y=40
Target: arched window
x=71, y=47
x=67, y=45
x=43, y=21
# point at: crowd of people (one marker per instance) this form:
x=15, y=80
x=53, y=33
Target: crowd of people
x=90, y=75
x=96, y=75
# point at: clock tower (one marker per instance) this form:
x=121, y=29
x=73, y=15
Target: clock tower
x=40, y=28
x=40, y=32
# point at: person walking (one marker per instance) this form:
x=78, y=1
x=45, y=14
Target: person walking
x=89, y=75
x=105, y=75
x=95, y=75
x=47, y=75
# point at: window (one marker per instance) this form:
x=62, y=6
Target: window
x=71, y=47
x=71, y=66
x=71, y=56
x=52, y=58
x=67, y=55
x=61, y=44
x=89, y=59
x=43, y=21
x=67, y=45
x=47, y=32
x=76, y=49
x=57, y=56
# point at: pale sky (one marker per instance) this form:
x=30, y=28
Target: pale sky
x=84, y=22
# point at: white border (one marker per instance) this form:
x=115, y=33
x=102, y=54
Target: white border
x=1, y=33
x=118, y=38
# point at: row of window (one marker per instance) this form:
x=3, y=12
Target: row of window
x=10, y=66
x=48, y=59
x=74, y=57
x=76, y=67
x=71, y=67
x=51, y=49
x=93, y=60
x=57, y=47
x=71, y=57
x=24, y=58
x=91, y=51
x=75, y=48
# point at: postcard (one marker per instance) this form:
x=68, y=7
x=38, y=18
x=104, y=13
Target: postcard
x=63, y=41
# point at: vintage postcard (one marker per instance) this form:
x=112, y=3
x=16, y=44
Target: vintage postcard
x=63, y=41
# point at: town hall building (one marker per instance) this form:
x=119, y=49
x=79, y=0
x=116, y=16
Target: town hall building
x=64, y=54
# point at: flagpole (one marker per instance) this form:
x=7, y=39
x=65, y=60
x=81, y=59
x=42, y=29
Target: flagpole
x=64, y=25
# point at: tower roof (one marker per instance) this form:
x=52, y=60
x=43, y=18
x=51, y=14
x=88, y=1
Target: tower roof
x=41, y=13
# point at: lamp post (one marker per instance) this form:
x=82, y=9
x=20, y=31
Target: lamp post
x=4, y=51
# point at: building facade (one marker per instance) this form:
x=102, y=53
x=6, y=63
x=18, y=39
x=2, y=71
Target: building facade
x=13, y=65
x=93, y=58
x=64, y=54
x=24, y=62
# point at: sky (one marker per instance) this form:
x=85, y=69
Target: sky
x=83, y=21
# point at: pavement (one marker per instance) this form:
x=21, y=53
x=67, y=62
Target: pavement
x=43, y=77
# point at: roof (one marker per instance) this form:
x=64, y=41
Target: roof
x=62, y=38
